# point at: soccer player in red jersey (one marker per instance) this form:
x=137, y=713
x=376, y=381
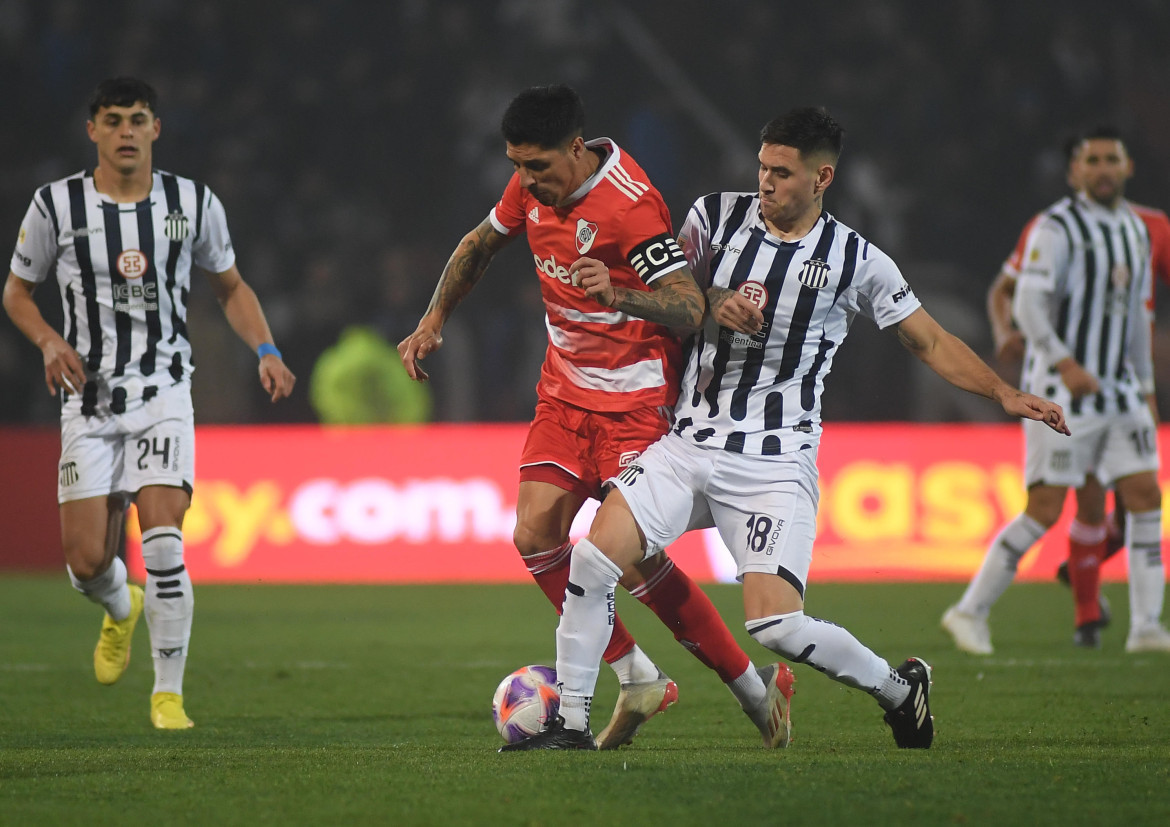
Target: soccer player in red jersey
x=615, y=286
x=1094, y=535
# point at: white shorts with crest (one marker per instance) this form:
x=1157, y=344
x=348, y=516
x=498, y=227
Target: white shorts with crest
x=1109, y=447
x=765, y=508
x=154, y=444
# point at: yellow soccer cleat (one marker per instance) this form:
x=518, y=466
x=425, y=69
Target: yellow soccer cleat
x=166, y=711
x=112, y=655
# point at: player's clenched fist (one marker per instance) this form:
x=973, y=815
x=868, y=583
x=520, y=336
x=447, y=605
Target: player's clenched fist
x=593, y=277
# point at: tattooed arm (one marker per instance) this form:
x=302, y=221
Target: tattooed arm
x=464, y=269
x=674, y=300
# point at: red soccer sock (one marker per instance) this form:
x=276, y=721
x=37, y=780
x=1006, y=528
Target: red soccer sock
x=693, y=620
x=1086, y=548
x=550, y=570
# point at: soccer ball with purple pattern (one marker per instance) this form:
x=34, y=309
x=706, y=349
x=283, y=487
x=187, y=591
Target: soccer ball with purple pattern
x=524, y=701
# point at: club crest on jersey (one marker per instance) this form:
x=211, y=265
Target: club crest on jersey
x=754, y=292
x=132, y=264
x=586, y=235
x=176, y=227
x=814, y=274
x=534, y=215
x=1119, y=275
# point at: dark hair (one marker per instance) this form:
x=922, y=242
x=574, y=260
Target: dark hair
x=1071, y=146
x=122, y=91
x=547, y=116
x=809, y=129
x=1104, y=132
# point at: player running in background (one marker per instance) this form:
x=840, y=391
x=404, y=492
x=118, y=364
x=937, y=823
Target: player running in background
x=1094, y=535
x=1083, y=304
x=784, y=280
x=122, y=240
x=614, y=284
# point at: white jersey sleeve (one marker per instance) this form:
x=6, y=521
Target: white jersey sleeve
x=883, y=294
x=36, y=244
x=1044, y=272
x=212, y=250
x=695, y=240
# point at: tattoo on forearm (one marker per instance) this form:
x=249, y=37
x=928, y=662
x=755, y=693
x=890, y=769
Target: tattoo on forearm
x=464, y=269
x=672, y=308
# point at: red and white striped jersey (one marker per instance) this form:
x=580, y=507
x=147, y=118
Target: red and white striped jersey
x=599, y=358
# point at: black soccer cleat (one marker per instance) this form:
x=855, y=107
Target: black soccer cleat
x=554, y=736
x=1088, y=635
x=912, y=723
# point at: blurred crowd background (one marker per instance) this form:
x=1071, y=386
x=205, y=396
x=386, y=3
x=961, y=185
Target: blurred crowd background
x=354, y=142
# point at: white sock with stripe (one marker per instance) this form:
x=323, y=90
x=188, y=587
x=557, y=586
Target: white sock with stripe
x=170, y=606
x=999, y=565
x=1147, y=574
x=584, y=630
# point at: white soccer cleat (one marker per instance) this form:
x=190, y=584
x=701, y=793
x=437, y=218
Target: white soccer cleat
x=774, y=716
x=1153, y=638
x=971, y=633
x=636, y=703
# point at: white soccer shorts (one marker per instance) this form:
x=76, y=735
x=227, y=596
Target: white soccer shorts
x=765, y=508
x=153, y=444
x=1110, y=447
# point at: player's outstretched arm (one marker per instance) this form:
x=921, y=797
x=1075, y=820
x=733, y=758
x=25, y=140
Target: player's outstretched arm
x=244, y=314
x=951, y=359
x=63, y=367
x=463, y=271
x=673, y=299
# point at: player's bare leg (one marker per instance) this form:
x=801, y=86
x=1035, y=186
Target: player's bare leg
x=99, y=574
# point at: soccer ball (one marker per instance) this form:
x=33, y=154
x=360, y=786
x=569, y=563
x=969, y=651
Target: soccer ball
x=524, y=701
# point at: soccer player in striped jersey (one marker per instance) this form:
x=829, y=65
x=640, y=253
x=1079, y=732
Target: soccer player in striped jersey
x=1083, y=303
x=784, y=279
x=122, y=240
x=1094, y=535
x=615, y=285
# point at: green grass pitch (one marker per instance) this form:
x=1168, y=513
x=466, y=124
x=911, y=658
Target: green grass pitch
x=371, y=705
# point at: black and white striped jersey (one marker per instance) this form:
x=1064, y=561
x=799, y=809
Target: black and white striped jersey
x=761, y=394
x=1082, y=292
x=124, y=272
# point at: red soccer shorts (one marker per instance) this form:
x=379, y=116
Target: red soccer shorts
x=578, y=450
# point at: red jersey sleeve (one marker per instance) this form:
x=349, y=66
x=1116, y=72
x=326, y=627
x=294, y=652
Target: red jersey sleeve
x=507, y=216
x=1015, y=262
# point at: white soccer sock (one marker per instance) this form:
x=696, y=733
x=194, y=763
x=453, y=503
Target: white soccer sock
x=170, y=606
x=1147, y=574
x=999, y=566
x=584, y=630
x=825, y=646
x=635, y=667
x=108, y=589
x=749, y=689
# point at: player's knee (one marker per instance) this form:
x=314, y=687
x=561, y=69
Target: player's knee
x=86, y=567
x=782, y=634
x=529, y=542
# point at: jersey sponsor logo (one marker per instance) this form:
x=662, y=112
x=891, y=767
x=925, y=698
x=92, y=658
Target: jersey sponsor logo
x=655, y=255
x=550, y=268
x=627, y=457
x=20, y=238
x=132, y=264
x=534, y=215
x=69, y=474
x=84, y=232
x=1120, y=276
x=135, y=296
x=814, y=274
x=23, y=259
x=586, y=235
x=903, y=293
x=754, y=292
x=176, y=226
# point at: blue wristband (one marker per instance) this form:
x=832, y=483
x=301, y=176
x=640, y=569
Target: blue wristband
x=267, y=349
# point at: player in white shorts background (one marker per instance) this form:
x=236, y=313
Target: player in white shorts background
x=783, y=279
x=1081, y=301
x=122, y=240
